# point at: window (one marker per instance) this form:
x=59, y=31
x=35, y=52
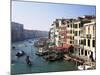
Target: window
x=75, y=25
x=71, y=42
x=93, y=29
x=71, y=25
x=75, y=33
x=73, y=38
x=70, y=37
x=79, y=52
x=57, y=24
x=79, y=25
x=89, y=29
x=79, y=41
x=88, y=52
x=82, y=52
x=85, y=53
x=79, y=33
x=93, y=43
x=70, y=31
x=84, y=41
x=67, y=25
x=88, y=42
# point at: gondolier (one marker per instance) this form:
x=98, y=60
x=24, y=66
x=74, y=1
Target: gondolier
x=28, y=61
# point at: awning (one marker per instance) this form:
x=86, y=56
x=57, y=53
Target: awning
x=63, y=47
x=66, y=46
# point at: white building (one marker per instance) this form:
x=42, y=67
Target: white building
x=87, y=45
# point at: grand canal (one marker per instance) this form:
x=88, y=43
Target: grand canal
x=19, y=66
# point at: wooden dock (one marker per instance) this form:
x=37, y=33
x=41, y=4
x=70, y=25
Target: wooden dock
x=69, y=58
x=80, y=61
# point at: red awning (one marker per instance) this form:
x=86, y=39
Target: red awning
x=65, y=46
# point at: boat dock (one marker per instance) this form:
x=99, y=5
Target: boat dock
x=69, y=58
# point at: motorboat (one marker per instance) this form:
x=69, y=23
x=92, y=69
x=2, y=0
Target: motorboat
x=13, y=47
x=30, y=41
x=20, y=53
x=84, y=67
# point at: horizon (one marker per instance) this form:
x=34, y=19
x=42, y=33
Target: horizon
x=28, y=13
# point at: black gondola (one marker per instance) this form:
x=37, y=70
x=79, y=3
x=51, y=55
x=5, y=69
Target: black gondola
x=28, y=61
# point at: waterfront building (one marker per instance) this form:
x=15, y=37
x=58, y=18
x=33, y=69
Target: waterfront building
x=63, y=33
x=77, y=29
x=84, y=40
x=58, y=33
x=70, y=31
x=53, y=35
x=78, y=32
x=88, y=38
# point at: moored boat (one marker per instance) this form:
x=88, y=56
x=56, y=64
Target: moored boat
x=84, y=67
x=20, y=53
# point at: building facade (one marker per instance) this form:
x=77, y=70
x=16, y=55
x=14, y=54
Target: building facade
x=79, y=33
x=85, y=41
x=89, y=37
x=58, y=33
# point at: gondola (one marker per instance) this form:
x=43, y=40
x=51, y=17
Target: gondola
x=28, y=61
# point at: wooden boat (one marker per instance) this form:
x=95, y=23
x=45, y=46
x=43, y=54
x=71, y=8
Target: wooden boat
x=39, y=54
x=52, y=57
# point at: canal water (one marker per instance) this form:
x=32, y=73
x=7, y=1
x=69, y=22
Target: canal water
x=19, y=66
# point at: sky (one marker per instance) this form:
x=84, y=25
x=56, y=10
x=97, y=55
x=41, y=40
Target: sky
x=40, y=16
